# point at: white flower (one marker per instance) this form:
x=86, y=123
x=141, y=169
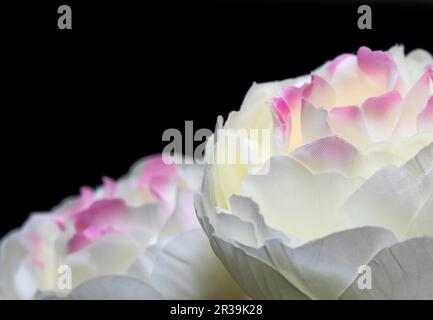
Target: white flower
x=137, y=238
x=348, y=182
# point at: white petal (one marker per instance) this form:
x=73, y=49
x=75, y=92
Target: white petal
x=422, y=224
x=12, y=255
x=401, y=272
x=278, y=270
x=422, y=163
x=110, y=254
x=314, y=123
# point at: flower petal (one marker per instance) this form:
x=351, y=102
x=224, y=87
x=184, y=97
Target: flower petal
x=296, y=201
x=378, y=66
x=401, y=272
x=382, y=115
x=348, y=123
x=389, y=199
x=114, y=288
x=422, y=163
x=425, y=118
x=258, y=279
x=319, y=93
x=413, y=105
x=184, y=266
x=330, y=154
x=314, y=123
x=422, y=224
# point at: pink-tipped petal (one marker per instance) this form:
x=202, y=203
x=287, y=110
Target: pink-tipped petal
x=378, y=66
x=292, y=97
x=282, y=120
x=155, y=167
x=102, y=213
x=348, y=123
x=280, y=111
x=382, y=115
x=345, y=77
x=158, y=178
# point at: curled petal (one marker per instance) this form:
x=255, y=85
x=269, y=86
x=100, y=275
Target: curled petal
x=281, y=270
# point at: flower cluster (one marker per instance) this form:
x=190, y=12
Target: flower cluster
x=346, y=182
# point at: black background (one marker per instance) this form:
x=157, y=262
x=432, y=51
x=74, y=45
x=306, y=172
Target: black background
x=82, y=103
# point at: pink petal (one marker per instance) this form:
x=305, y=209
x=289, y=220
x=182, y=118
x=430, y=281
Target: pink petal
x=378, y=66
x=281, y=111
x=155, y=166
x=382, y=115
x=160, y=179
x=78, y=242
x=103, y=213
x=86, y=196
x=292, y=97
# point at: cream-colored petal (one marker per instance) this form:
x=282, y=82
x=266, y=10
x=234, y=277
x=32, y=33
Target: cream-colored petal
x=389, y=199
x=296, y=201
